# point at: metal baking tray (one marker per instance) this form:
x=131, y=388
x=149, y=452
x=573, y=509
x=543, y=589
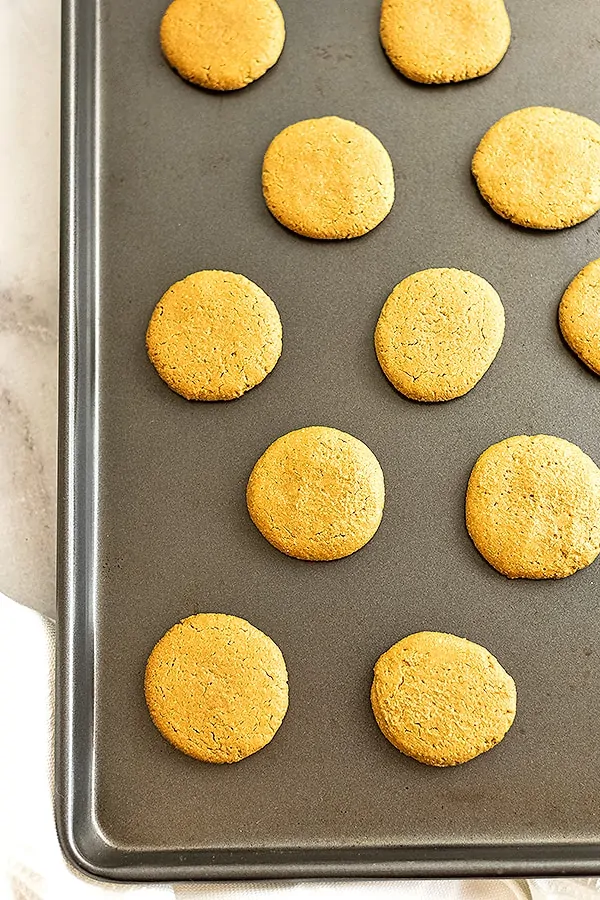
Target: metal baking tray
x=162, y=179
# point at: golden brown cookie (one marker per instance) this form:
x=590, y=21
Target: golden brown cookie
x=316, y=493
x=533, y=507
x=540, y=167
x=438, y=333
x=579, y=315
x=222, y=44
x=214, y=336
x=437, y=41
x=216, y=687
x=442, y=699
x=328, y=178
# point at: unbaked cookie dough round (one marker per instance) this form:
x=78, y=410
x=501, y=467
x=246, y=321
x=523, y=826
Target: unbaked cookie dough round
x=316, y=493
x=442, y=699
x=540, y=167
x=328, y=178
x=222, y=44
x=448, y=40
x=579, y=315
x=438, y=333
x=533, y=507
x=213, y=336
x=216, y=687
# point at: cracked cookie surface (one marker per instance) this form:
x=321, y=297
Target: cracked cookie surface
x=579, y=315
x=222, y=44
x=328, y=178
x=441, y=699
x=316, y=494
x=533, y=507
x=213, y=336
x=438, y=41
x=539, y=167
x=216, y=687
x=438, y=333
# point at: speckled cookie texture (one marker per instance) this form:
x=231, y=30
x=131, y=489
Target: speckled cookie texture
x=442, y=699
x=579, y=315
x=438, y=41
x=317, y=494
x=214, y=336
x=438, y=333
x=328, y=178
x=222, y=44
x=540, y=167
x=216, y=687
x=533, y=507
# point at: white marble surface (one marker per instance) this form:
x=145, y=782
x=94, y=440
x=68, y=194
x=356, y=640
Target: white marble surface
x=29, y=178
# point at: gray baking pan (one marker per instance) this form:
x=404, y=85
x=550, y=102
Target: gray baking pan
x=162, y=179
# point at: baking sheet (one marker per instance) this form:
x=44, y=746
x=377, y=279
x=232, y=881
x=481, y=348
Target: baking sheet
x=162, y=179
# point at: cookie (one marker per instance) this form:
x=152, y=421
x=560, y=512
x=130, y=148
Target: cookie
x=448, y=40
x=214, y=336
x=316, y=493
x=328, y=178
x=442, y=699
x=216, y=687
x=438, y=333
x=222, y=44
x=540, y=167
x=579, y=315
x=533, y=507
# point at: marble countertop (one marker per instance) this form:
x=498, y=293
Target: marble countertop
x=29, y=110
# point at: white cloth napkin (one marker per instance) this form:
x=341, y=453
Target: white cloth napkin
x=31, y=864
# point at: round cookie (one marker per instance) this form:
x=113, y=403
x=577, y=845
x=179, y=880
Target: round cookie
x=316, y=493
x=438, y=333
x=222, y=44
x=214, y=336
x=579, y=315
x=449, y=40
x=442, y=699
x=533, y=507
x=328, y=178
x=540, y=167
x=216, y=687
